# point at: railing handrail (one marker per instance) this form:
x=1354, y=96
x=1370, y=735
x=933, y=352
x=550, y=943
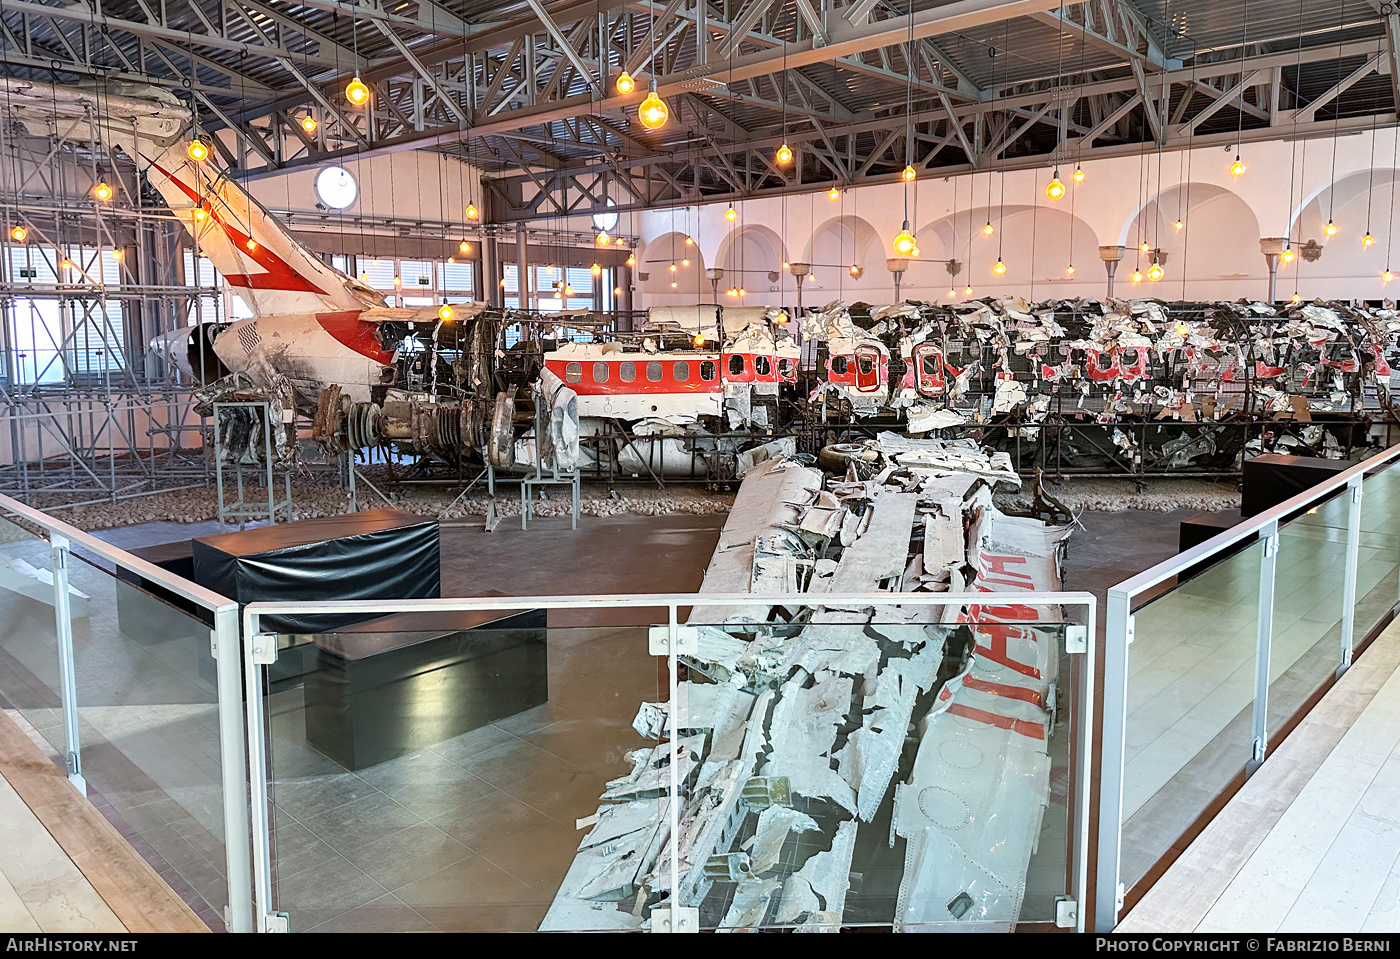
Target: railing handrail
x=1167, y=568
x=634, y=600
x=178, y=585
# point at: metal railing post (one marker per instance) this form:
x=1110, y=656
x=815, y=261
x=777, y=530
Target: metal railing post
x=59, y=555
x=1349, y=575
x=264, y=919
x=1118, y=636
x=228, y=665
x=1268, y=565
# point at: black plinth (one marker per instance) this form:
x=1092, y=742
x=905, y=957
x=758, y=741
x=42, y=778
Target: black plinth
x=1272, y=478
x=385, y=687
x=1195, y=530
x=375, y=554
x=139, y=617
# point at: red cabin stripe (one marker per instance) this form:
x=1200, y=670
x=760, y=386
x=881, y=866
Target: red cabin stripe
x=359, y=335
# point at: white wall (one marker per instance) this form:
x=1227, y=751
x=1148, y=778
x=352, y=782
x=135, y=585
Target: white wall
x=1215, y=256
x=411, y=185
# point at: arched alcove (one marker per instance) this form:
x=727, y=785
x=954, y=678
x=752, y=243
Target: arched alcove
x=834, y=247
x=1356, y=203
x=748, y=255
x=655, y=258
x=1217, y=246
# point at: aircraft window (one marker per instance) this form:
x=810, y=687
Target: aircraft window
x=627, y=372
x=761, y=366
x=573, y=372
x=680, y=370
x=600, y=372
x=653, y=371
x=838, y=365
x=736, y=364
x=931, y=364
x=707, y=369
x=785, y=366
x=866, y=363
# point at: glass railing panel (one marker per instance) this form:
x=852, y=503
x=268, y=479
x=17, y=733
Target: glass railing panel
x=28, y=632
x=1191, y=677
x=445, y=773
x=899, y=771
x=1378, y=555
x=149, y=729
x=1309, y=593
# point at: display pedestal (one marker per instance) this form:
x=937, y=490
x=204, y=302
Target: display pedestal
x=1274, y=478
x=385, y=687
x=1195, y=530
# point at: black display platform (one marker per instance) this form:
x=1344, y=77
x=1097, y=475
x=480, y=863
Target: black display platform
x=143, y=620
x=1273, y=478
x=375, y=554
x=1195, y=530
x=381, y=688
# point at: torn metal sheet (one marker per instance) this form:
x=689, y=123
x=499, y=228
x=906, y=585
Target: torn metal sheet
x=815, y=896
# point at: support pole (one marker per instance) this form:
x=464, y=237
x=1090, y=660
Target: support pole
x=1111, y=256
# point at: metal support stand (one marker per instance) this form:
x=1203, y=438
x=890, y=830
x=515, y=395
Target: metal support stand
x=241, y=511
x=1268, y=562
x=538, y=477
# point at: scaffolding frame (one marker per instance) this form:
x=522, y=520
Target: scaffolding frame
x=90, y=411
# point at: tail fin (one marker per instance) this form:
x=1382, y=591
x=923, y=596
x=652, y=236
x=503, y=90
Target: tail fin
x=267, y=267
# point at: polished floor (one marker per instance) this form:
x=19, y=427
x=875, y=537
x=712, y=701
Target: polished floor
x=1311, y=843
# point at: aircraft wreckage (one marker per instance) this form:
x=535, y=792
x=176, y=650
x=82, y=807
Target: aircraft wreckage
x=1139, y=387
x=848, y=764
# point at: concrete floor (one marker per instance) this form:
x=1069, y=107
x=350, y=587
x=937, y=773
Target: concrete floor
x=473, y=833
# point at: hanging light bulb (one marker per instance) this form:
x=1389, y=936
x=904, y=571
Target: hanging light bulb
x=653, y=112
x=308, y=123
x=1178, y=225
x=117, y=255
x=197, y=151
x=444, y=313
x=617, y=291
x=952, y=293
x=1387, y=276
x=673, y=267
x=1287, y=255
x=625, y=83
x=914, y=252
x=464, y=247
x=1000, y=268
x=987, y=230
x=784, y=154
x=102, y=191
x=356, y=92
x=968, y=290
x=252, y=244
x=472, y=211
x=1069, y=270
x=596, y=269
x=1330, y=229
x=451, y=259
x=199, y=214
x=855, y=269
x=833, y=193
x=1297, y=298
x=685, y=261
x=1137, y=276
x=673, y=284
x=730, y=214
x=904, y=243
x=1078, y=174
x=689, y=241
x=1146, y=247
x=1155, y=271
x=603, y=238
x=66, y=265
x=18, y=234
x=1368, y=240
x=364, y=278
x=1055, y=190
x=785, y=264
x=558, y=293
x=743, y=292
x=632, y=259
x=1237, y=168
x=908, y=174
x=812, y=276
x=398, y=281
x=568, y=290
